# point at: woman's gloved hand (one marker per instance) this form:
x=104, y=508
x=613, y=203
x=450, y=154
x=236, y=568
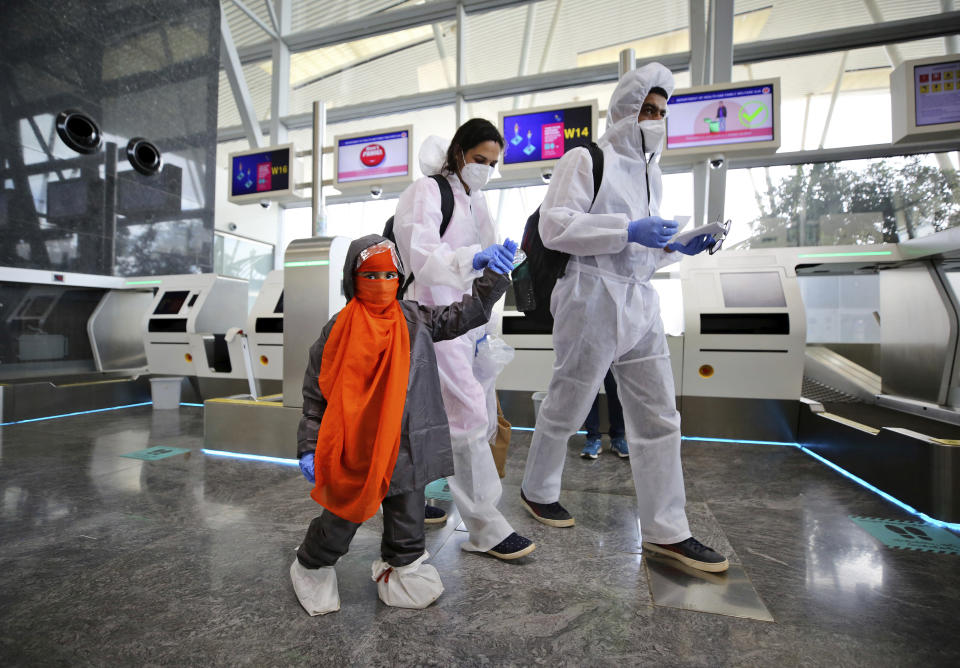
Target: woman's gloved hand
x=694, y=246
x=498, y=257
x=652, y=231
x=306, y=467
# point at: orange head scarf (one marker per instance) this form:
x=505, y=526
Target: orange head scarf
x=363, y=376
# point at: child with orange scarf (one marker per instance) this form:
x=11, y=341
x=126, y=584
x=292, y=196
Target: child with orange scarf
x=374, y=430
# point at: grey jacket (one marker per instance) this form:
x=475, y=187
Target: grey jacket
x=425, y=454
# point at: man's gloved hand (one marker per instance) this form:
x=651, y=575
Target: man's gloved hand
x=306, y=467
x=498, y=257
x=652, y=231
x=694, y=246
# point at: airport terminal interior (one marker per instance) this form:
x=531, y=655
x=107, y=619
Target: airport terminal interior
x=182, y=181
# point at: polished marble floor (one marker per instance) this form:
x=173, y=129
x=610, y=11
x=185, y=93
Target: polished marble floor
x=107, y=560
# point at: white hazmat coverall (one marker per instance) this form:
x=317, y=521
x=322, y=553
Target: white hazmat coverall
x=443, y=273
x=606, y=313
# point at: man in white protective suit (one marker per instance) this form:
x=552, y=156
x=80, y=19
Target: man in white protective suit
x=607, y=314
x=444, y=269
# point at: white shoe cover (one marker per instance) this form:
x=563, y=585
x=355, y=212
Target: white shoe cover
x=316, y=588
x=415, y=585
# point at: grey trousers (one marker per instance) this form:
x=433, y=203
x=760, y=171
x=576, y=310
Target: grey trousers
x=329, y=536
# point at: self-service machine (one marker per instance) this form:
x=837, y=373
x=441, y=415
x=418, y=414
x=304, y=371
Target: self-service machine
x=185, y=329
x=298, y=301
x=264, y=329
x=743, y=345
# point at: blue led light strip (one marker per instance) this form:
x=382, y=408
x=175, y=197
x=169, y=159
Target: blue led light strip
x=860, y=481
x=734, y=440
x=182, y=403
x=96, y=410
x=877, y=490
x=260, y=458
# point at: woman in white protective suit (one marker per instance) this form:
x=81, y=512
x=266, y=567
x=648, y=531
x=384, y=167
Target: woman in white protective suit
x=607, y=314
x=443, y=270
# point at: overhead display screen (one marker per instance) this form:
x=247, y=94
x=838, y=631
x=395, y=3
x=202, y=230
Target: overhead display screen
x=260, y=173
x=937, y=92
x=741, y=115
x=377, y=156
x=545, y=135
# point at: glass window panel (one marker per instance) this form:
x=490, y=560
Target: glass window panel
x=397, y=64
x=243, y=258
x=851, y=202
x=259, y=82
x=787, y=18
x=585, y=34
x=861, y=114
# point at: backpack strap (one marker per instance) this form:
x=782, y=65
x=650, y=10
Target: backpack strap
x=446, y=200
x=446, y=213
x=596, y=153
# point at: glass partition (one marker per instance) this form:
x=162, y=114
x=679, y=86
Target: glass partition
x=883, y=200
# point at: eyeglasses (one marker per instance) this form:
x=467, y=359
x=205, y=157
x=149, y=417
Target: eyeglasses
x=720, y=236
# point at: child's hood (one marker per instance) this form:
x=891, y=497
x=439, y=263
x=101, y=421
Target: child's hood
x=353, y=252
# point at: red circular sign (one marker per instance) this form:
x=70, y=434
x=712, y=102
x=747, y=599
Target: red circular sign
x=372, y=155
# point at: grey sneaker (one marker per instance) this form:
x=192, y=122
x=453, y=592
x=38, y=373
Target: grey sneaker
x=591, y=449
x=618, y=446
x=693, y=553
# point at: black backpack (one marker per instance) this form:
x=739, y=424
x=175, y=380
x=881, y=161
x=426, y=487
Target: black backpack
x=446, y=212
x=534, y=278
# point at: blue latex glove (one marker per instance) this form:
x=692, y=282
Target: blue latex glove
x=694, y=246
x=510, y=245
x=306, y=467
x=652, y=231
x=476, y=346
x=497, y=257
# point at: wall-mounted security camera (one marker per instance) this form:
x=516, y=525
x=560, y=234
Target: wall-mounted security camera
x=265, y=203
x=78, y=131
x=376, y=191
x=546, y=174
x=716, y=161
x=144, y=156
x=232, y=227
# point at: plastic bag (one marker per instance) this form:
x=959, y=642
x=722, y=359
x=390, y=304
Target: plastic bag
x=316, y=588
x=415, y=585
x=493, y=355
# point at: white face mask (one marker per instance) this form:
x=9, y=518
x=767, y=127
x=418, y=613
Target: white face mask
x=475, y=175
x=653, y=132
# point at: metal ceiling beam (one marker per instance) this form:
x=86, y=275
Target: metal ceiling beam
x=280, y=72
x=256, y=19
x=525, y=48
x=843, y=39
x=238, y=84
x=375, y=24
x=937, y=25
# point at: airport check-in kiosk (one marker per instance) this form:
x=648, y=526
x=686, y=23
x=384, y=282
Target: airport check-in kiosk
x=743, y=346
x=77, y=344
x=265, y=329
x=185, y=328
x=312, y=292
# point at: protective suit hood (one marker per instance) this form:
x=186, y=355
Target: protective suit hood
x=623, y=130
x=356, y=247
x=633, y=89
x=433, y=153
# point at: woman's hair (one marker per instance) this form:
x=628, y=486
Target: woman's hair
x=473, y=132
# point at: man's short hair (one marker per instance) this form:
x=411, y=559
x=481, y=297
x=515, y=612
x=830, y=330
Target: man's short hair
x=656, y=90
